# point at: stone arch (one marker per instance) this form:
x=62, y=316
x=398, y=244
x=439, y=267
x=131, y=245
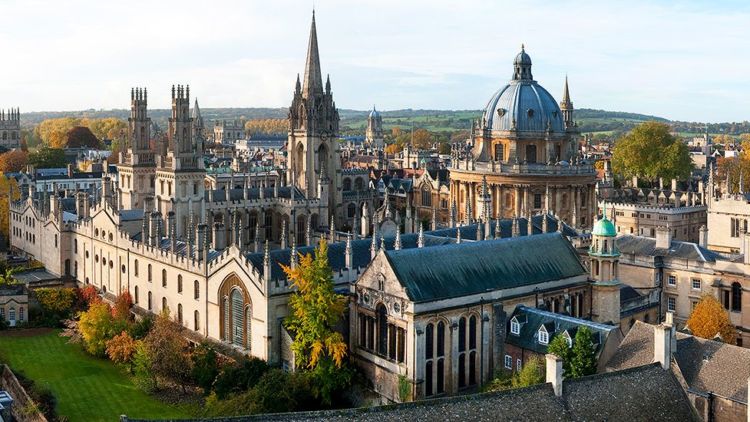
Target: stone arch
x=235, y=313
x=347, y=184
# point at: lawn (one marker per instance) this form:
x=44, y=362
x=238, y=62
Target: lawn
x=86, y=388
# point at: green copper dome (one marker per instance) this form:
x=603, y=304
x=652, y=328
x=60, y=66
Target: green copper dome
x=604, y=227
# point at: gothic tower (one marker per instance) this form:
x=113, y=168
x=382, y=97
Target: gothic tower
x=137, y=169
x=314, y=163
x=374, y=132
x=566, y=106
x=604, y=258
x=180, y=172
x=199, y=129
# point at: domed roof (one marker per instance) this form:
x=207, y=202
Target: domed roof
x=604, y=227
x=523, y=105
x=374, y=113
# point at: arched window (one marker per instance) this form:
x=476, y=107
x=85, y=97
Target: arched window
x=347, y=185
x=351, y=210
x=164, y=278
x=164, y=304
x=429, y=339
x=179, y=313
x=149, y=301
x=382, y=329
x=426, y=197
x=736, y=297
x=196, y=289
x=248, y=325
x=135, y=267
x=179, y=283
x=238, y=317
x=149, y=272
x=135, y=292
x=440, y=353
x=196, y=321
x=359, y=184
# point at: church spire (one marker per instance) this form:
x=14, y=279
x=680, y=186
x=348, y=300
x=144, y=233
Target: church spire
x=313, y=82
x=566, y=93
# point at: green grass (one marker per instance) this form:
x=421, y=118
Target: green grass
x=86, y=388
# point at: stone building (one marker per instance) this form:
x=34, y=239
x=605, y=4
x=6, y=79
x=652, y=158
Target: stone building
x=374, y=131
x=10, y=128
x=526, y=146
x=228, y=131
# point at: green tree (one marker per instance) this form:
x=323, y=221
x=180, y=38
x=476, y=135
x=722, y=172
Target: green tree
x=241, y=377
x=47, y=158
x=205, y=366
x=559, y=347
x=315, y=310
x=144, y=378
x=650, y=151
x=532, y=373
x=583, y=354
x=709, y=319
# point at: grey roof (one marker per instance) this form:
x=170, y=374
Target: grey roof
x=531, y=319
x=464, y=269
x=130, y=215
x=220, y=195
x=640, y=245
x=647, y=393
x=706, y=365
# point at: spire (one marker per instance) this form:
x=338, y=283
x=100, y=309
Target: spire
x=313, y=82
x=397, y=243
x=566, y=93
x=197, y=118
x=374, y=245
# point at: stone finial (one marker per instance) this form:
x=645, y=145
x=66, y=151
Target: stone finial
x=397, y=243
x=282, y=236
x=293, y=253
x=332, y=230
x=420, y=237
x=308, y=232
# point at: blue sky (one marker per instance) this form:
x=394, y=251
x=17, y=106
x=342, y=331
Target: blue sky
x=681, y=60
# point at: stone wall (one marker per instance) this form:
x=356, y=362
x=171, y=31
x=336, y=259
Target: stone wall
x=21, y=401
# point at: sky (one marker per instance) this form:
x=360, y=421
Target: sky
x=685, y=60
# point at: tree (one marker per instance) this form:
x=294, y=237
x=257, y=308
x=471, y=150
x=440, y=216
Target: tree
x=238, y=378
x=144, y=378
x=392, y=149
x=56, y=303
x=650, y=151
x=583, y=354
x=167, y=348
x=559, y=347
x=532, y=373
x=47, y=158
x=13, y=161
x=81, y=136
x=121, y=349
x=315, y=310
x=96, y=327
x=421, y=139
x=205, y=366
x=9, y=191
x=710, y=319
x=121, y=310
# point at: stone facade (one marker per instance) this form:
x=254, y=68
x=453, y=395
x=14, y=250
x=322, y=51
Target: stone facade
x=10, y=128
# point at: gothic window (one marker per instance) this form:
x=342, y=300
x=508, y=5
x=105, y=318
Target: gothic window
x=462, y=334
x=429, y=344
x=736, y=297
x=382, y=330
x=362, y=331
x=426, y=197
x=400, y=344
x=351, y=210
x=164, y=303
x=237, y=317
x=149, y=301
x=149, y=272
x=461, y=370
x=227, y=330
x=179, y=283
x=248, y=325
x=428, y=379
x=347, y=184
x=358, y=184
x=179, y=313
x=196, y=289
x=164, y=278
x=196, y=321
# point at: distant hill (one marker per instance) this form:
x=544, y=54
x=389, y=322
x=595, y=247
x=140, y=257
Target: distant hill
x=354, y=121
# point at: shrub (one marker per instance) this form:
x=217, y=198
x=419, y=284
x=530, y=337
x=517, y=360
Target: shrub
x=121, y=310
x=239, y=378
x=89, y=295
x=56, y=304
x=205, y=367
x=140, y=328
x=142, y=368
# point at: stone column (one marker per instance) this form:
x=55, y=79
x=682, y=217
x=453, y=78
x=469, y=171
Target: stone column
x=517, y=207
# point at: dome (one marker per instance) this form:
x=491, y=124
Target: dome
x=604, y=227
x=523, y=105
x=374, y=114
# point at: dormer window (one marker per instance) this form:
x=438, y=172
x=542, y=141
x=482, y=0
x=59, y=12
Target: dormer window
x=530, y=112
x=568, y=339
x=501, y=112
x=543, y=335
x=515, y=327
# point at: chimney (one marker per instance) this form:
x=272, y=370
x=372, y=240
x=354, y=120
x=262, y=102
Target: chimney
x=219, y=236
x=703, y=236
x=171, y=226
x=663, y=238
x=70, y=171
x=669, y=320
x=663, y=345
x=674, y=185
x=201, y=242
x=555, y=373
x=634, y=182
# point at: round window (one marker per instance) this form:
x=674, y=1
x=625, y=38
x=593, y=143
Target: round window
x=397, y=307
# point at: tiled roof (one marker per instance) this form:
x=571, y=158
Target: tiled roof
x=531, y=319
x=647, y=246
x=706, y=365
x=464, y=269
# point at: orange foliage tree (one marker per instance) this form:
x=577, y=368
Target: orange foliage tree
x=121, y=348
x=12, y=161
x=709, y=318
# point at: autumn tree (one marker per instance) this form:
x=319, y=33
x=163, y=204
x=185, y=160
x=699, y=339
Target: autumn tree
x=267, y=126
x=56, y=303
x=710, y=319
x=315, y=310
x=13, y=161
x=121, y=349
x=421, y=138
x=9, y=191
x=650, y=151
x=392, y=149
x=54, y=132
x=583, y=354
x=123, y=303
x=81, y=136
x=97, y=327
x=167, y=349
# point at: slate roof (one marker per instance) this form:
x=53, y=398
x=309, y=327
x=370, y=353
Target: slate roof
x=647, y=246
x=647, y=393
x=706, y=365
x=238, y=194
x=457, y=270
x=531, y=319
